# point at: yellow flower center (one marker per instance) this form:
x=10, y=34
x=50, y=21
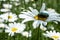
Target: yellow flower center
x=42, y=16
x=14, y=29
x=9, y=17
x=55, y=37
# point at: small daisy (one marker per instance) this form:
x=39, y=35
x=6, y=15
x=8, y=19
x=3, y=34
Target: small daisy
x=27, y=34
x=43, y=16
x=52, y=34
x=9, y=16
x=14, y=28
x=7, y=6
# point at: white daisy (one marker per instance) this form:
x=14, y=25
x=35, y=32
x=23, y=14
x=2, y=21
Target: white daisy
x=9, y=16
x=52, y=34
x=43, y=16
x=27, y=34
x=7, y=6
x=14, y=28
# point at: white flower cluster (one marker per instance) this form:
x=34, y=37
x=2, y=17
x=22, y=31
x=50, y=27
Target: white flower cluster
x=41, y=18
x=8, y=21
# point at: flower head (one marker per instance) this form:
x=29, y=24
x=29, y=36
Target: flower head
x=7, y=6
x=52, y=34
x=15, y=28
x=9, y=16
x=43, y=16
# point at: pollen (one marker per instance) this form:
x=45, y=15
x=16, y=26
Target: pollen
x=9, y=17
x=14, y=29
x=55, y=37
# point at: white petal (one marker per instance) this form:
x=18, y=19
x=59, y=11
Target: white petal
x=28, y=13
x=51, y=10
x=11, y=33
x=34, y=11
x=53, y=18
x=24, y=16
x=44, y=23
x=2, y=25
x=43, y=7
x=28, y=19
x=7, y=31
x=7, y=6
x=1, y=20
x=42, y=27
x=36, y=24
x=4, y=10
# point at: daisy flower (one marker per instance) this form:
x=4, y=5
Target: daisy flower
x=6, y=8
x=9, y=16
x=26, y=34
x=14, y=28
x=41, y=17
x=52, y=34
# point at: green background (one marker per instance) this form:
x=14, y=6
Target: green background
x=36, y=33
